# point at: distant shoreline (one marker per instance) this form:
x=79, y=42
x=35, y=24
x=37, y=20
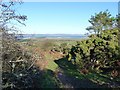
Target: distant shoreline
x=52, y=36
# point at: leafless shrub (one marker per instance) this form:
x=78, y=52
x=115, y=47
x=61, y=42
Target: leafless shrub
x=16, y=62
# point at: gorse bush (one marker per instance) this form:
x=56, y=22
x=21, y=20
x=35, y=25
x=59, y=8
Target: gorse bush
x=97, y=52
x=63, y=48
x=101, y=51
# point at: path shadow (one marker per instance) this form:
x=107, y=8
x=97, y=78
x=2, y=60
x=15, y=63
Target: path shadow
x=73, y=81
x=34, y=78
x=64, y=64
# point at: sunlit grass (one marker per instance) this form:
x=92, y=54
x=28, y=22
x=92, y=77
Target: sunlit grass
x=52, y=65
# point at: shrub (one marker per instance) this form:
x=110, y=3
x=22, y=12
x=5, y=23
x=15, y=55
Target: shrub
x=102, y=49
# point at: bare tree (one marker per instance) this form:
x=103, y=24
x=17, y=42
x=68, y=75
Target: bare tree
x=14, y=60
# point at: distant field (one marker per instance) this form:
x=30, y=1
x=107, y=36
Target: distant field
x=54, y=41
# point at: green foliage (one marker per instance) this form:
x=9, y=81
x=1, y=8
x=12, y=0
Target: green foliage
x=63, y=47
x=101, y=21
x=97, y=52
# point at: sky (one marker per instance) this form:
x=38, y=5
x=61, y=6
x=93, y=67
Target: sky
x=61, y=17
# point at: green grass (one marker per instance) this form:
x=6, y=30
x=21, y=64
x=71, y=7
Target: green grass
x=52, y=65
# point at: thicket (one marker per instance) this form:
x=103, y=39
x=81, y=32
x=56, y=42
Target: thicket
x=101, y=52
x=63, y=48
x=18, y=71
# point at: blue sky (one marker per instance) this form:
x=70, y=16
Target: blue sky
x=61, y=17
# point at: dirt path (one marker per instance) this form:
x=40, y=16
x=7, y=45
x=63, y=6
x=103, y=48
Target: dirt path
x=65, y=80
x=72, y=82
x=46, y=58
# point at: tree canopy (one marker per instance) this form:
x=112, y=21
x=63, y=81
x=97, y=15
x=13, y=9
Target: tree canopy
x=101, y=21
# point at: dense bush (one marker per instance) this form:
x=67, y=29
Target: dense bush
x=63, y=48
x=97, y=52
x=17, y=63
x=17, y=68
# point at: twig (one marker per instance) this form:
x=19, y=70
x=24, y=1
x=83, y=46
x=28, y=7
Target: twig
x=32, y=64
x=16, y=61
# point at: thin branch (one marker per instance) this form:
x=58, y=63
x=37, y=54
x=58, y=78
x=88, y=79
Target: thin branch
x=32, y=64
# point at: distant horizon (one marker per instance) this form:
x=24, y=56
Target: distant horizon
x=55, y=33
x=51, y=36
